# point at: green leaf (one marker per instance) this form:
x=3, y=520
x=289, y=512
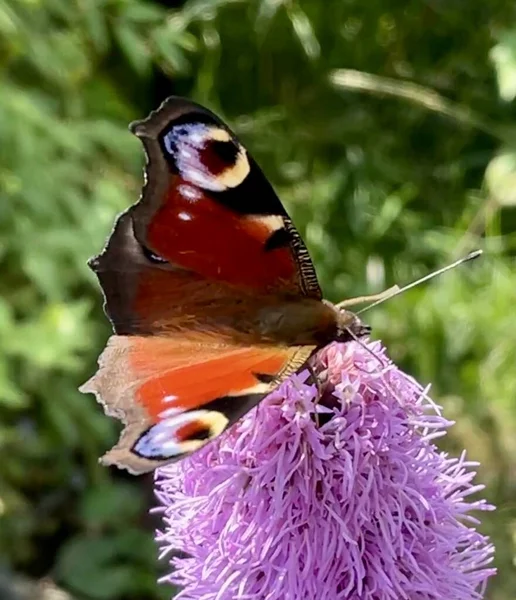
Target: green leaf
x=89, y=566
x=110, y=505
x=134, y=47
x=138, y=12
x=11, y=396
x=96, y=29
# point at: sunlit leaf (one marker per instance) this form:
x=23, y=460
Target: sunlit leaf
x=501, y=178
x=304, y=31
x=503, y=56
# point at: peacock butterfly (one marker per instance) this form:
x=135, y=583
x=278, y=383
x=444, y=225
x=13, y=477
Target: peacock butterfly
x=210, y=290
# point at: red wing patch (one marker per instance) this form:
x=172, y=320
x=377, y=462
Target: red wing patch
x=206, y=237
x=147, y=297
x=174, y=396
x=208, y=207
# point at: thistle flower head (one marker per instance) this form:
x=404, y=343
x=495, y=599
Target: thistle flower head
x=345, y=497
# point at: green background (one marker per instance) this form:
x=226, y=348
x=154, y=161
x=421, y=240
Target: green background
x=388, y=129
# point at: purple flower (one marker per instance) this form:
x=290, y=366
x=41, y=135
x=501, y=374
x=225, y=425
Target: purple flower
x=354, y=504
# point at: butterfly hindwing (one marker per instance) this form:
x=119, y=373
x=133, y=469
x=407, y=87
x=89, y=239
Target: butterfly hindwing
x=174, y=396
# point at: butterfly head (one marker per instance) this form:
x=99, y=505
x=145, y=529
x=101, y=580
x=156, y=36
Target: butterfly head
x=350, y=326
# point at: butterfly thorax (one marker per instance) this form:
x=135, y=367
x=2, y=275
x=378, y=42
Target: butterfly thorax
x=309, y=322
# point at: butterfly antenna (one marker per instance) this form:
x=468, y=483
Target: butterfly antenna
x=397, y=292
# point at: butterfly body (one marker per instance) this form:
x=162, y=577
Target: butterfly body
x=211, y=292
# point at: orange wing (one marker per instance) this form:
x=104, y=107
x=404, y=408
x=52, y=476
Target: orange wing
x=174, y=396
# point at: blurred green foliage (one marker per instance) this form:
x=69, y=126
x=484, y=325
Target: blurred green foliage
x=389, y=130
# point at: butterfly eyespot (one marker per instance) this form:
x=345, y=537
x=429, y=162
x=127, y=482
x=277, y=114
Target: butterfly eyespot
x=180, y=434
x=195, y=430
x=154, y=258
x=226, y=151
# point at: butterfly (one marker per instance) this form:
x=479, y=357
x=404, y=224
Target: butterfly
x=210, y=290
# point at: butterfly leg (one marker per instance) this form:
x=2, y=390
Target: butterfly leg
x=315, y=377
